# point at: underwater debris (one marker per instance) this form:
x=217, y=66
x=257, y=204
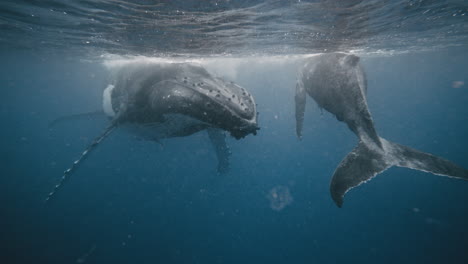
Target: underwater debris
x=279, y=197
x=83, y=258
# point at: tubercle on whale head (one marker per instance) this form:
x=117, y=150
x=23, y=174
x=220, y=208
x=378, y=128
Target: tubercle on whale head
x=247, y=127
x=228, y=107
x=243, y=132
x=237, y=126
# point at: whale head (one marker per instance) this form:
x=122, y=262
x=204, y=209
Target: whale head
x=150, y=92
x=212, y=100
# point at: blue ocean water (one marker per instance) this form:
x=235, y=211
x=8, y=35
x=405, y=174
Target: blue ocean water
x=134, y=201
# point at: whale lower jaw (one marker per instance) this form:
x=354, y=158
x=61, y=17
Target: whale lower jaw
x=173, y=125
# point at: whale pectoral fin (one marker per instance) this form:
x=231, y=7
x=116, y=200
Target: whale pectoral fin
x=218, y=139
x=76, y=117
x=300, y=100
x=359, y=166
x=83, y=156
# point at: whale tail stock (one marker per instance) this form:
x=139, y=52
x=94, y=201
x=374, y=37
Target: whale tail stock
x=368, y=160
x=83, y=156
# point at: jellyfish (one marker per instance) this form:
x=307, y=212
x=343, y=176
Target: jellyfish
x=279, y=197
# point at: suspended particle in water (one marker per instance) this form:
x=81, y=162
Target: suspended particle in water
x=83, y=258
x=457, y=84
x=279, y=197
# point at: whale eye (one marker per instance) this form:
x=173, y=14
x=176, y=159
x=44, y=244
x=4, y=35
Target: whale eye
x=211, y=91
x=217, y=95
x=233, y=96
x=242, y=104
x=208, y=105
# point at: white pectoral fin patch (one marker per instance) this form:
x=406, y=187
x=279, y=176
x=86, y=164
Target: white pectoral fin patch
x=300, y=101
x=107, y=101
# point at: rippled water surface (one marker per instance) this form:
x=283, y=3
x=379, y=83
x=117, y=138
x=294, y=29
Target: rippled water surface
x=138, y=201
x=232, y=27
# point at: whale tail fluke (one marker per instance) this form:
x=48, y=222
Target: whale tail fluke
x=83, y=156
x=366, y=161
x=359, y=166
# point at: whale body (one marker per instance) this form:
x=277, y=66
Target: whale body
x=165, y=100
x=338, y=84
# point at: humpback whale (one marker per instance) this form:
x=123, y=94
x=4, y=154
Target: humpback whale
x=164, y=100
x=338, y=84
